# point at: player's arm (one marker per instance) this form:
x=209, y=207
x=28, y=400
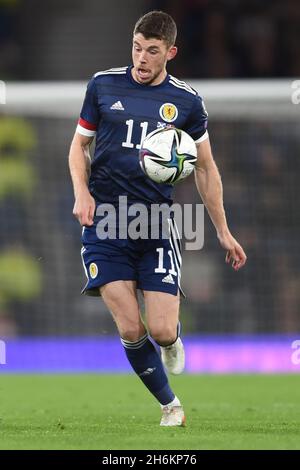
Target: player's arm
x=209, y=185
x=80, y=164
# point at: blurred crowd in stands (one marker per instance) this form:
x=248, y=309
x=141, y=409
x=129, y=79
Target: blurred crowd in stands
x=236, y=38
x=217, y=38
x=10, y=41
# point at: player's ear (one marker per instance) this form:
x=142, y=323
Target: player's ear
x=172, y=53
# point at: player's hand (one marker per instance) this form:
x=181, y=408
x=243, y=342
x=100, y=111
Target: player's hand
x=235, y=253
x=84, y=208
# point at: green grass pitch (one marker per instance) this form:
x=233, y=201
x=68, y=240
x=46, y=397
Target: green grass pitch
x=117, y=412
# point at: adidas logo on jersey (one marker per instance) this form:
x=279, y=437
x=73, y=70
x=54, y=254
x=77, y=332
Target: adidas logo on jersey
x=168, y=279
x=118, y=106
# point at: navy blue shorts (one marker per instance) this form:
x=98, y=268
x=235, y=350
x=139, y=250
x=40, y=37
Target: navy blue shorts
x=155, y=265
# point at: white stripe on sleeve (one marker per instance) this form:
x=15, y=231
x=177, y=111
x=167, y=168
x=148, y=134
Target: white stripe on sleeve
x=81, y=130
x=202, y=138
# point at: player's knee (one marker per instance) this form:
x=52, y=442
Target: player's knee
x=164, y=336
x=132, y=333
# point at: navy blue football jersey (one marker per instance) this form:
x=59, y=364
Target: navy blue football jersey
x=120, y=112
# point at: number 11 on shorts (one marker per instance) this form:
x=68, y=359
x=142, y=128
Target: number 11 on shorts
x=160, y=268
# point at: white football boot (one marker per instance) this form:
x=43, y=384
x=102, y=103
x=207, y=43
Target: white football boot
x=172, y=416
x=173, y=357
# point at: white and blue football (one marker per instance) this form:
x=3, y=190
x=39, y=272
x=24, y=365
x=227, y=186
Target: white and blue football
x=168, y=155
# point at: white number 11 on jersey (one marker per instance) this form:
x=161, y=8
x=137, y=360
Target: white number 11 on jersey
x=128, y=143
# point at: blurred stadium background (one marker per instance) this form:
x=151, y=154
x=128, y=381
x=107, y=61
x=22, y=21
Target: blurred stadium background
x=242, y=57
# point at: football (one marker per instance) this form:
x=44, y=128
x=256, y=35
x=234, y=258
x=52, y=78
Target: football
x=168, y=155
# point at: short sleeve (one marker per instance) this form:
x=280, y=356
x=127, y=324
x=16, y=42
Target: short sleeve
x=196, y=125
x=89, y=116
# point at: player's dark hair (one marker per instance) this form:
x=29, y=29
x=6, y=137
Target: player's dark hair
x=158, y=25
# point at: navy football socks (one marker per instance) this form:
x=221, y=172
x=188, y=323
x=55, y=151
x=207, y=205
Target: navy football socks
x=147, y=364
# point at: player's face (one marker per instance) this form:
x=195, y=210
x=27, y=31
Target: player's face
x=150, y=57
